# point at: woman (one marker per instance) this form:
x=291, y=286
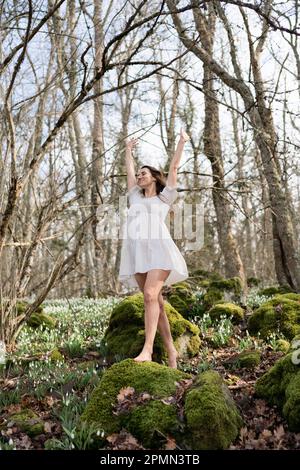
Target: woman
x=151, y=260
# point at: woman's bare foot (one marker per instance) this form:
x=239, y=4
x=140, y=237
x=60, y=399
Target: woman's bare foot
x=144, y=356
x=172, y=359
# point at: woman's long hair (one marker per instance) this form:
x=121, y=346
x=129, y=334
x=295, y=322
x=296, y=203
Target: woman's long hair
x=159, y=176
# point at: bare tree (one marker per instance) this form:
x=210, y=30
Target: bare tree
x=285, y=247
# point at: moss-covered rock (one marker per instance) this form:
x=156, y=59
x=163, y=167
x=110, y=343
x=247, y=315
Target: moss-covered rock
x=28, y=422
x=281, y=386
x=140, y=398
x=228, y=310
x=277, y=314
x=233, y=284
x=218, y=290
x=202, y=278
x=245, y=359
x=56, y=356
x=124, y=337
x=41, y=319
x=148, y=412
x=37, y=318
x=21, y=306
x=289, y=295
x=273, y=290
x=213, y=421
x=211, y=297
x=282, y=345
x=253, y=281
x=181, y=297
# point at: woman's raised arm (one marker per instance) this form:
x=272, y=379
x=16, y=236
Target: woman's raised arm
x=172, y=175
x=131, y=178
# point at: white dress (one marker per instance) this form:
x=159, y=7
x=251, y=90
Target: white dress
x=147, y=243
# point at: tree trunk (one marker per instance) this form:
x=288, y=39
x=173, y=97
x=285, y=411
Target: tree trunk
x=264, y=133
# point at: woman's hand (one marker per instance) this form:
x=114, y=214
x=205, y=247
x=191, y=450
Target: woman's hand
x=131, y=143
x=184, y=137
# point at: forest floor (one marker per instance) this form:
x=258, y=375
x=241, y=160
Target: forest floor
x=57, y=392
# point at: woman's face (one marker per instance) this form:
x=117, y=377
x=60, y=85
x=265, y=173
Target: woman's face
x=144, y=177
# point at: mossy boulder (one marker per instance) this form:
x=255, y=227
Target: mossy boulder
x=217, y=290
x=56, y=356
x=253, y=281
x=212, y=418
x=274, y=290
x=141, y=399
x=211, y=297
x=202, y=278
x=37, y=318
x=227, y=309
x=245, y=359
x=21, y=306
x=280, y=386
x=181, y=297
x=125, y=335
x=283, y=345
x=28, y=422
x=233, y=284
x=147, y=411
x=41, y=319
x=290, y=295
x=280, y=313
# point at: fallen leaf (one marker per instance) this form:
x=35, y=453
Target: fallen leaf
x=170, y=444
x=48, y=427
x=279, y=432
x=112, y=438
x=124, y=393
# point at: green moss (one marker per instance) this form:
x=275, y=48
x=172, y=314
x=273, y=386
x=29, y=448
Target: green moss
x=204, y=283
x=28, y=422
x=56, y=356
x=37, y=319
x=253, y=281
x=282, y=345
x=289, y=295
x=273, y=290
x=281, y=386
x=291, y=407
x=181, y=297
x=212, y=297
x=125, y=334
x=142, y=420
x=246, y=359
x=148, y=421
x=213, y=420
x=234, y=284
x=278, y=314
x=227, y=309
x=21, y=306
x=217, y=288
x=193, y=346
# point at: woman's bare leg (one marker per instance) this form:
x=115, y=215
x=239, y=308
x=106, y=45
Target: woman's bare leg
x=165, y=333
x=163, y=325
x=152, y=287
